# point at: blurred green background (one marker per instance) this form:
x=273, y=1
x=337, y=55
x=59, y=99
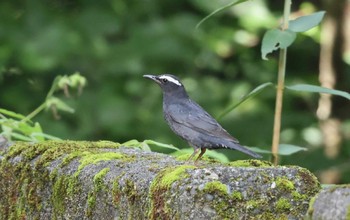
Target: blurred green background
x=113, y=43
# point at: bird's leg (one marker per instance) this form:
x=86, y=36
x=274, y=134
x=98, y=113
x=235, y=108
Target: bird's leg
x=201, y=154
x=194, y=153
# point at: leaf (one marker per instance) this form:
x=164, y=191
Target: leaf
x=37, y=128
x=259, y=150
x=11, y=114
x=168, y=146
x=275, y=39
x=252, y=94
x=25, y=128
x=9, y=123
x=136, y=144
x=283, y=149
x=21, y=137
x=59, y=104
x=288, y=149
x=36, y=131
x=130, y=143
x=307, y=22
x=219, y=10
x=40, y=136
x=318, y=89
x=213, y=154
x=145, y=144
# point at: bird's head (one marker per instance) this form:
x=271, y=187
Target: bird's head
x=170, y=84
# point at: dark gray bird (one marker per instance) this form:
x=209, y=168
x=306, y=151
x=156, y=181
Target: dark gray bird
x=191, y=122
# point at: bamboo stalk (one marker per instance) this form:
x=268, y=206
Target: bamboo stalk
x=280, y=88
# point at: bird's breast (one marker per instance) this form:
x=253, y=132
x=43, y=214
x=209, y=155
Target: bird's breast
x=174, y=114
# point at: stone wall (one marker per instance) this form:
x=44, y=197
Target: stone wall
x=103, y=180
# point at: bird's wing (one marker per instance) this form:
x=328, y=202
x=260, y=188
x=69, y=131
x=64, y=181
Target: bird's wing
x=195, y=117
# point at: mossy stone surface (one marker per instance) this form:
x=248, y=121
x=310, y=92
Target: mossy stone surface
x=103, y=180
x=331, y=203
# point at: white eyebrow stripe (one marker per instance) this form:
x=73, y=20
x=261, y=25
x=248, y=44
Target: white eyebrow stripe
x=171, y=79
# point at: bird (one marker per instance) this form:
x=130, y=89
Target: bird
x=191, y=122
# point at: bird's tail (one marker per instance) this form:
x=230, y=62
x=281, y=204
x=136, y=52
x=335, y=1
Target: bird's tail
x=236, y=146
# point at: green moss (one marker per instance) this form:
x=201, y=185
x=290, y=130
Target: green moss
x=22, y=192
x=183, y=157
x=283, y=205
x=153, y=167
x=236, y=195
x=32, y=180
x=116, y=191
x=224, y=202
x=130, y=191
x=91, y=201
x=216, y=187
x=72, y=185
x=27, y=150
x=98, y=178
x=159, y=187
x=59, y=193
x=297, y=196
x=284, y=184
x=93, y=158
x=51, y=150
x=271, y=216
x=71, y=156
x=250, y=163
x=53, y=174
x=266, y=216
x=98, y=186
x=311, y=206
x=310, y=180
x=222, y=208
x=173, y=175
x=107, y=144
x=252, y=204
x=69, y=185
x=25, y=188
x=348, y=213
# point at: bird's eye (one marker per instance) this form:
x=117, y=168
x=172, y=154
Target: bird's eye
x=164, y=80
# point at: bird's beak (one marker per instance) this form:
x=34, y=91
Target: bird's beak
x=152, y=77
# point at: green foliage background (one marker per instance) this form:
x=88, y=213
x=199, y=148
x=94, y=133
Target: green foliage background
x=113, y=43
